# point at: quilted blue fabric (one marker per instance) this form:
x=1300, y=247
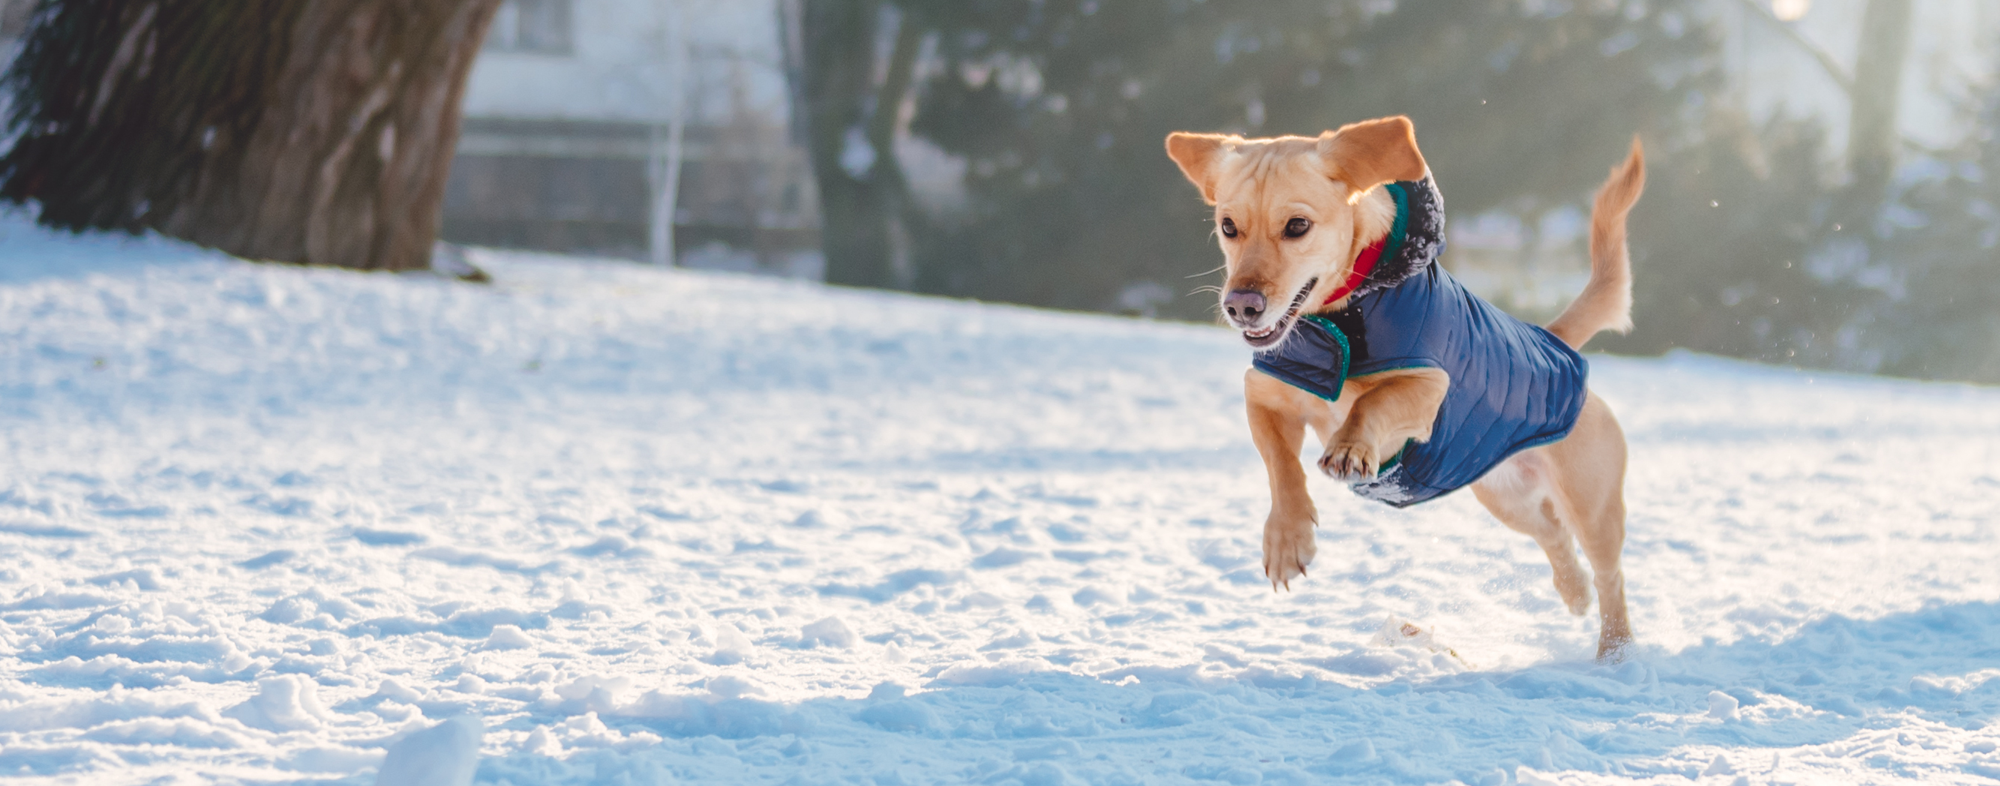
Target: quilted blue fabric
x=1513, y=385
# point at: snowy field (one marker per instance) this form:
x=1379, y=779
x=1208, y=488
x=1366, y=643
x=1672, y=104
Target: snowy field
x=612, y=525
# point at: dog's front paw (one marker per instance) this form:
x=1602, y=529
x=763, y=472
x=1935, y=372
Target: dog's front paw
x=1288, y=549
x=1348, y=462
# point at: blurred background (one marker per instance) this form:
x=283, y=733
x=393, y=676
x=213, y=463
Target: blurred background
x=1825, y=183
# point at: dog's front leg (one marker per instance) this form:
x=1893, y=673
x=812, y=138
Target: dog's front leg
x=1278, y=417
x=1392, y=408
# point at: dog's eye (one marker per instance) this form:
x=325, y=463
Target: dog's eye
x=1297, y=227
x=1228, y=228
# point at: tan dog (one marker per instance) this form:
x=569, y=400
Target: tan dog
x=1294, y=213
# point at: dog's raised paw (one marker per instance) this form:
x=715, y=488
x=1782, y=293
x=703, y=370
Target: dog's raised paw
x=1288, y=549
x=1348, y=462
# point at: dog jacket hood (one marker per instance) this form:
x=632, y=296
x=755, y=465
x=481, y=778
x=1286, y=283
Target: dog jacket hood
x=1513, y=386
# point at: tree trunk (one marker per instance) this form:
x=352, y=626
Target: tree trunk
x=1878, y=81
x=851, y=125
x=839, y=44
x=882, y=129
x=308, y=131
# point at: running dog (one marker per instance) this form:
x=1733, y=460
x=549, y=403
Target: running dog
x=1415, y=386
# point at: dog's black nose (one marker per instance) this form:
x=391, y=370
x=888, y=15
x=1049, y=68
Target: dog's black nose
x=1244, y=306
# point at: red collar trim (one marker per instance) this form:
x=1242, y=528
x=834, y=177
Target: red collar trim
x=1364, y=264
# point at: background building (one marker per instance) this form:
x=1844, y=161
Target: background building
x=571, y=101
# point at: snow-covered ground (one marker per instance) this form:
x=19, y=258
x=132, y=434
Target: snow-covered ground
x=597, y=523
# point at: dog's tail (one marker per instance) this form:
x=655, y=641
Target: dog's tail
x=1606, y=302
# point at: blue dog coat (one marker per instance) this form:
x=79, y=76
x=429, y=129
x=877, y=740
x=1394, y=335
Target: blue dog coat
x=1513, y=385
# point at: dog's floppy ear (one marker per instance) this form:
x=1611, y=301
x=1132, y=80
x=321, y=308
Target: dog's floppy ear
x=1197, y=155
x=1373, y=152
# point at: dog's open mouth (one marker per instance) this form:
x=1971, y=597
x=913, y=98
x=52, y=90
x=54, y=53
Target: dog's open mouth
x=1260, y=339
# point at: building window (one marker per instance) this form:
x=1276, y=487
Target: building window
x=533, y=26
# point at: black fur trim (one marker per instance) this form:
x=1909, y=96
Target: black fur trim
x=1423, y=237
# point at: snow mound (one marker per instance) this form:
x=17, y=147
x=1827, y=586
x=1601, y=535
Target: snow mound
x=287, y=702
x=830, y=632
x=443, y=755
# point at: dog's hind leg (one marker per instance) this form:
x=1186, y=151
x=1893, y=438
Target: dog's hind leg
x=1590, y=501
x=1520, y=494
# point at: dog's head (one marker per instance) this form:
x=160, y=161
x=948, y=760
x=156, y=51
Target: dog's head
x=1294, y=211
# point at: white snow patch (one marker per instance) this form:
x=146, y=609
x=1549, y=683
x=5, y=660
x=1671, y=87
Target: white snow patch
x=288, y=702
x=261, y=521
x=1721, y=706
x=508, y=637
x=831, y=632
x=396, y=691
x=443, y=755
x=730, y=645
